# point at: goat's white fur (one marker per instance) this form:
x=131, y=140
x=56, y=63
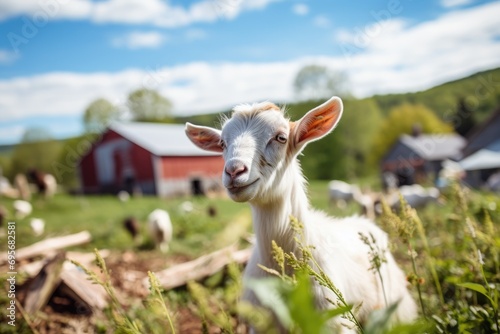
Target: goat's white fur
x=38, y=226
x=22, y=208
x=160, y=228
x=51, y=184
x=262, y=140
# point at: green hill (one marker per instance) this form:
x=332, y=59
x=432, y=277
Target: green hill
x=480, y=91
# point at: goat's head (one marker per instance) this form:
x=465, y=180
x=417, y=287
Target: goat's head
x=258, y=143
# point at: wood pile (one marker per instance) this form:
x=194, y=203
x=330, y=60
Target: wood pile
x=53, y=279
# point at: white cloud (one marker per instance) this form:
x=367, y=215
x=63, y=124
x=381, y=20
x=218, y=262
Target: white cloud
x=138, y=39
x=455, y=3
x=395, y=57
x=7, y=57
x=300, y=9
x=152, y=12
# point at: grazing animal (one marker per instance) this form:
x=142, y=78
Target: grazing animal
x=212, y=211
x=45, y=183
x=22, y=208
x=415, y=195
x=260, y=148
x=123, y=196
x=22, y=186
x=160, y=228
x=38, y=226
x=341, y=192
x=132, y=226
x=187, y=207
x=3, y=214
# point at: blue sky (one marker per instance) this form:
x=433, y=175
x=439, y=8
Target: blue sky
x=57, y=56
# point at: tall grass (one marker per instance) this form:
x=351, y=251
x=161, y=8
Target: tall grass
x=450, y=254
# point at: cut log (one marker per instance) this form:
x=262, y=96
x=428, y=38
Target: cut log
x=43, y=285
x=202, y=267
x=74, y=284
x=47, y=245
x=32, y=268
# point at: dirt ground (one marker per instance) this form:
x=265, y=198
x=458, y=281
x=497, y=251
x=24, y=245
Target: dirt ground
x=127, y=271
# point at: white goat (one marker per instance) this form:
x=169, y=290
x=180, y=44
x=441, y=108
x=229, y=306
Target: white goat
x=260, y=148
x=341, y=192
x=38, y=226
x=51, y=185
x=415, y=195
x=160, y=228
x=22, y=208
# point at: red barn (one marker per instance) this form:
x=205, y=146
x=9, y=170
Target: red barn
x=151, y=158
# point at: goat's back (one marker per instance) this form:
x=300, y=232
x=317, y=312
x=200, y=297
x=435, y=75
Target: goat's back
x=345, y=258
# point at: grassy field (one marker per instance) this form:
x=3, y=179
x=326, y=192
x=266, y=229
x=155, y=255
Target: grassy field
x=455, y=242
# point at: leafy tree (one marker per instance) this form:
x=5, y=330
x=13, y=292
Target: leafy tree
x=148, y=105
x=64, y=168
x=463, y=120
x=36, y=150
x=401, y=120
x=98, y=115
x=344, y=153
x=357, y=128
x=318, y=82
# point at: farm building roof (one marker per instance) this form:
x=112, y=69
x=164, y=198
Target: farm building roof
x=486, y=158
x=435, y=146
x=159, y=139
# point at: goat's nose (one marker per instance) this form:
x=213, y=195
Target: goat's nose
x=235, y=168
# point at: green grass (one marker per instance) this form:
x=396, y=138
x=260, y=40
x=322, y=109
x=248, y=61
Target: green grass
x=442, y=239
x=194, y=233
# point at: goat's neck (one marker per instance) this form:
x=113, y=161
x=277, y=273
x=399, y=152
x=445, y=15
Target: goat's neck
x=271, y=220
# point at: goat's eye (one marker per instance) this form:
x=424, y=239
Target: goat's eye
x=281, y=138
x=222, y=144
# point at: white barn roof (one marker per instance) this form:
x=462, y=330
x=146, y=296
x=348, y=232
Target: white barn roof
x=159, y=139
x=435, y=146
x=486, y=158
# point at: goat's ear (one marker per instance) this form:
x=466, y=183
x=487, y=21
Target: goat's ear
x=204, y=137
x=318, y=122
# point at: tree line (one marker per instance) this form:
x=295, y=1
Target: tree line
x=369, y=127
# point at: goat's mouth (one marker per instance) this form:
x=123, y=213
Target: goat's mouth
x=238, y=189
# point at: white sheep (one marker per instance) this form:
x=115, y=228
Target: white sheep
x=260, y=148
x=160, y=228
x=415, y=195
x=38, y=226
x=341, y=192
x=123, y=196
x=50, y=184
x=22, y=208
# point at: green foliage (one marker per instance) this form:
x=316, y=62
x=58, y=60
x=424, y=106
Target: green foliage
x=36, y=150
x=481, y=93
x=360, y=122
x=343, y=153
x=64, y=167
x=148, y=105
x=455, y=250
x=136, y=321
x=463, y=266
x=401, y=120
x=98, y=115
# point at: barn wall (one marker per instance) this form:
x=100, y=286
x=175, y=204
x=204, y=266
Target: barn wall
x=121, y=160
x=178, y=173
x=88, y=176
